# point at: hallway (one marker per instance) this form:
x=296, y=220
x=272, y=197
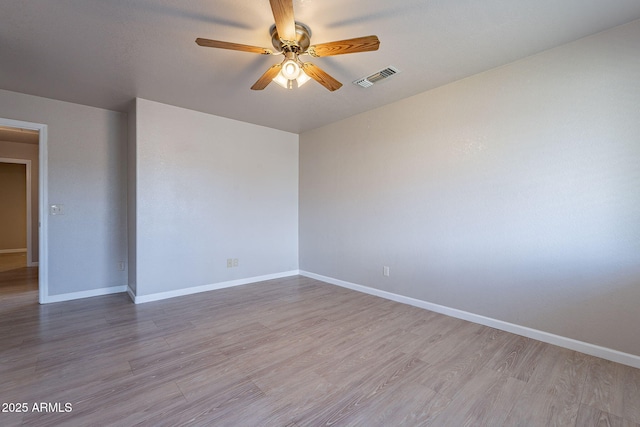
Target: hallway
x=17, y=278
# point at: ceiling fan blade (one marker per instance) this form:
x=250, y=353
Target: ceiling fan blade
x=233, y=46
x=317, y=74
x=266, y=78
x=359, y=44
x=285, y=22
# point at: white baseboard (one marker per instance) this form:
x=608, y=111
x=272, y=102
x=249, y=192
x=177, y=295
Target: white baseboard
x=13, y=251
x=138, y=299
x=569, y=343
x=85, y=294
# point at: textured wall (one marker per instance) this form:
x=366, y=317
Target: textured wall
x=87, y=174
x=512, y=194
x=209, y=189
x=132, y=132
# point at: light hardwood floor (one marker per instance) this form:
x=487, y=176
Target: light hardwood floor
x=291, y=352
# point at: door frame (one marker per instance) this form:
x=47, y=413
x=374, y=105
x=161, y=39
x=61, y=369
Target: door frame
x=43, y=200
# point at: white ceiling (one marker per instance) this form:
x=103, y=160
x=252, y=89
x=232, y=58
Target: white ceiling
x=105, y=52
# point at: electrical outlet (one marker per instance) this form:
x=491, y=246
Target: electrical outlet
x=235, y=262
x=229, y=262
x=121, y=266
x=56, y=209
x=385, y=271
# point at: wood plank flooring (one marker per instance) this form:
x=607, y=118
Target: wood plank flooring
x=290, y=352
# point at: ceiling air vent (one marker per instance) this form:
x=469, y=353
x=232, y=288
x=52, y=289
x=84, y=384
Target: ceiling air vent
x=376, y=77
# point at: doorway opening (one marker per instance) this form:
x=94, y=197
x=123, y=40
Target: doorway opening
x=22, y=195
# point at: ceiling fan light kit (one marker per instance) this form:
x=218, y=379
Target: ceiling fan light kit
x=292, y=39
x=291, y=72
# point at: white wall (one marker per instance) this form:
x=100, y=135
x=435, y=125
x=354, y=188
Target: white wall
x=513, y=194
x=87, y=174
x=132, y=136
x=207, y=189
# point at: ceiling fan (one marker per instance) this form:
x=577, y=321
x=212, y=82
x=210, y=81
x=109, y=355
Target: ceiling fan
x=293, y=39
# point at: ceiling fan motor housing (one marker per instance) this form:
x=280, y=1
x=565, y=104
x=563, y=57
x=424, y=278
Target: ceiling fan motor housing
x=303, y=39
